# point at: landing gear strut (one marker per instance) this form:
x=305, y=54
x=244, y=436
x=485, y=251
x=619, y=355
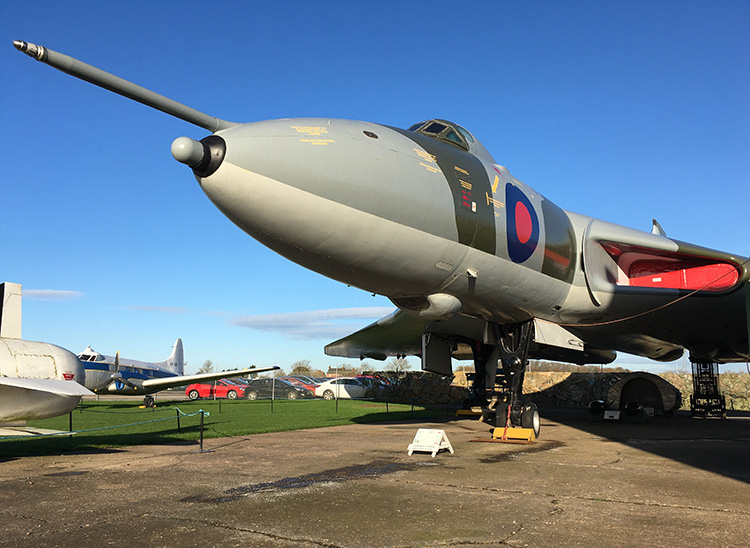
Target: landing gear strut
x=513, y=346
x=511, y=349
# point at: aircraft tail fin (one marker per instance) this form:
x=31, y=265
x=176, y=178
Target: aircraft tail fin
x=176, y=360
x=10, y=310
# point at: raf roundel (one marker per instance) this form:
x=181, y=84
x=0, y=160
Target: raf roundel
x=522, y=224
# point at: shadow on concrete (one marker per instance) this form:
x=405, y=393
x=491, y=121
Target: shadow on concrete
x=717, y=445
x=721, y=446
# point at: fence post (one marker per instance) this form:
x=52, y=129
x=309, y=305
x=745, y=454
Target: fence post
x=178, y=421
x=201, y=430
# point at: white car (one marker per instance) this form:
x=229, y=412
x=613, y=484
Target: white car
x=343, y=387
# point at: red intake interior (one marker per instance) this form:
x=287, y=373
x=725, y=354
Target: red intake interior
x=644, y=267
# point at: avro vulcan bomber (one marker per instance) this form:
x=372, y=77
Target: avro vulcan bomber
x=478, y=264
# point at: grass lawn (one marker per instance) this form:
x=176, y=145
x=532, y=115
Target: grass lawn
x=136, y=426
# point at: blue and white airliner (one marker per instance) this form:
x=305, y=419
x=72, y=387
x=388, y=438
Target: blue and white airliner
x=115, y=375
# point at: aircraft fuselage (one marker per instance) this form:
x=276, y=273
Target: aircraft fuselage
x=99, y=378
x=402, y=214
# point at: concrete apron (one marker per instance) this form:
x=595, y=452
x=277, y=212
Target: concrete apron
x=677, y=482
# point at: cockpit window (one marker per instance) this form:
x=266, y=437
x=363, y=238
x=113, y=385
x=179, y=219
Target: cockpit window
x=453, y=134
x=469, y=137
x=434, y=127
x=445, y=131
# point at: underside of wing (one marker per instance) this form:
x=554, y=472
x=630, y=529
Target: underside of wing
x=395, y=335
x=23, y=399
x=402, y=335
x=153, y=385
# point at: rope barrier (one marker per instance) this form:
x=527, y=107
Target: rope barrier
x=181, y=413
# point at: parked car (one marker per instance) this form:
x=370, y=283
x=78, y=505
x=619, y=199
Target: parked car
x=342, y=387
x=223, y=388
x=301, y=382
x=373, y=381
x=279, y=388
x=308, y=379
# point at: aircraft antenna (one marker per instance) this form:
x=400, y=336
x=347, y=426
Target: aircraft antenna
x=118, y=85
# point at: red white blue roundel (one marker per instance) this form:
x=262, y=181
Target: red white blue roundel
x=522, y=224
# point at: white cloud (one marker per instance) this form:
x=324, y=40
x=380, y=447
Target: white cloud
x=314, y=324
x=51, y=294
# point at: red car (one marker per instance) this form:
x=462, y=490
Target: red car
x=300, y=383
x=223, y=388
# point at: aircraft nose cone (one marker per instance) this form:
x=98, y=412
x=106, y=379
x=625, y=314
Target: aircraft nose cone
x=204, y=156
x=187, y=151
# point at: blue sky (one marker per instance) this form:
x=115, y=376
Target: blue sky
x=619, y=110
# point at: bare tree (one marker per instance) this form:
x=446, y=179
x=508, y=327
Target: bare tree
x=207, y=367
x=301, y=367
x=398, y=366
x=364, y=368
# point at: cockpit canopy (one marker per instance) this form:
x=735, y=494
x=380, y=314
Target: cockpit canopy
x=453, y=134
x=90, y=355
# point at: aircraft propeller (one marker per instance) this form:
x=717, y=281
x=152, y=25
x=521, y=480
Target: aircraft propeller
x=117, y=375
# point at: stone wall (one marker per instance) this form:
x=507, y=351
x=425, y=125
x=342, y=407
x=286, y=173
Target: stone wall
x=555, y=388
x=558, y=389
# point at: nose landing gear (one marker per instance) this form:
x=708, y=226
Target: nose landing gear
x=511, y=349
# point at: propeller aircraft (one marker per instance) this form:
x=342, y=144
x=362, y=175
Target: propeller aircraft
x=113, y=375
x=479, y=265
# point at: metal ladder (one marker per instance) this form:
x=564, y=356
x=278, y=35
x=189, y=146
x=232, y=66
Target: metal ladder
x=707, y=400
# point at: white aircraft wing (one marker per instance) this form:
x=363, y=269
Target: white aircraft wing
x=53, y=386
x=154, y=385
x=23, y=399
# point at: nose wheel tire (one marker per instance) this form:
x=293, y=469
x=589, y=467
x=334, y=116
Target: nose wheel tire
x=530, y=418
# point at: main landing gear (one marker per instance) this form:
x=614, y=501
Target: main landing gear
x=509, y=345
